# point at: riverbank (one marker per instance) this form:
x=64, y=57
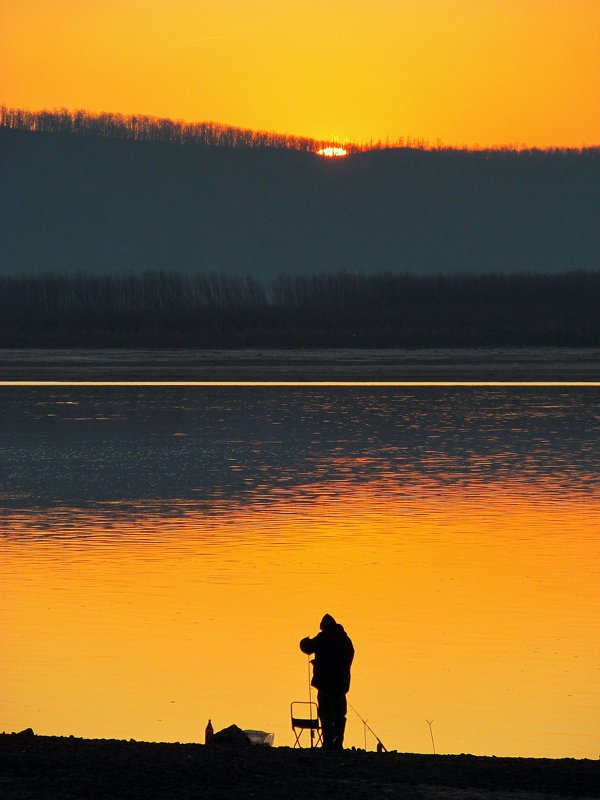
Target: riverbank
x=45, y=767
x=337, y=365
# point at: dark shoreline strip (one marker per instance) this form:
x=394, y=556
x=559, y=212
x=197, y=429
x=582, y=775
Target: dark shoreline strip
x=284, y=384
x=47, y=767
x=435, y=366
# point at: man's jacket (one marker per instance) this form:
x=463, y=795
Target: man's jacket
x=334, y=652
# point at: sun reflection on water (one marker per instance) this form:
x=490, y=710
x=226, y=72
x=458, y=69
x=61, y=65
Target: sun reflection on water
x=470, y=606
x=156, y=580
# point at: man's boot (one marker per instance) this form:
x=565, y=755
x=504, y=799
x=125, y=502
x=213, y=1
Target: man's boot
x=340, y=727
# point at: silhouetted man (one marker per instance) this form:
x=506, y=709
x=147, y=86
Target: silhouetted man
x=331, y=677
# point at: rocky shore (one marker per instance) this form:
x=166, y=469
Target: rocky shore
x=45, y=767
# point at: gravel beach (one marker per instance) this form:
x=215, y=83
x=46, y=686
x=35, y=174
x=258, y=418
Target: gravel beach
x=68, y=768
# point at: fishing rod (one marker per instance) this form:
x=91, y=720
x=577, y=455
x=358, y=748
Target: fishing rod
x=381, y=748
x=310, y=701
x=430, y=723
x=308, y=663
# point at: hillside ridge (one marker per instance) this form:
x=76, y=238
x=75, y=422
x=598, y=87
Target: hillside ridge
x=71, y=203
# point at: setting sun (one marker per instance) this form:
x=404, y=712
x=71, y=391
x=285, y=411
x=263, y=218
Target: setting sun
x=333, y=152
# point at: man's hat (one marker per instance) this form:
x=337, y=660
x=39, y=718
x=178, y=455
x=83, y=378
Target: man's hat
x=327, y=621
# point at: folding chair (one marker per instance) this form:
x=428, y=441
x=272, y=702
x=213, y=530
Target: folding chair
x=309, y=721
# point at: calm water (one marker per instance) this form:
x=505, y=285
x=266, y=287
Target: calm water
x=164, y=550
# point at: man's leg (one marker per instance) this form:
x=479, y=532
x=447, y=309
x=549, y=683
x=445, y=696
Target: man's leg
x=327, y=717
x=340, y=708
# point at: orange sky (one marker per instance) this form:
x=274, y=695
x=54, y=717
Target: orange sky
x=461, y=71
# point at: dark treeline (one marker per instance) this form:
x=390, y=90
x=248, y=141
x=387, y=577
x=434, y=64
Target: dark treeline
x=146, y=128
x=143, y=128
x=112, y=294
x=334, y=310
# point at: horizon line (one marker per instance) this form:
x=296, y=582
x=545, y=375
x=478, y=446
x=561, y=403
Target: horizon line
x=298, y=384
x=353, y=147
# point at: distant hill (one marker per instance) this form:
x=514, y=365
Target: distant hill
x=72, y=203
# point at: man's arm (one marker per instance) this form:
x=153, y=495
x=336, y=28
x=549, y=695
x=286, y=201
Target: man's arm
x=307, y=645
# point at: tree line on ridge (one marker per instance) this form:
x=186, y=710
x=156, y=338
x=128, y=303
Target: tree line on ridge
x=144, y=128
x=147, y=128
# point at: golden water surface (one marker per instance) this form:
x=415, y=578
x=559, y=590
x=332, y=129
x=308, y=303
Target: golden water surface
x=469, y=583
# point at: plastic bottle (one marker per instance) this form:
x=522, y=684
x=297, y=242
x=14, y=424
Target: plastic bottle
x=208, y=733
